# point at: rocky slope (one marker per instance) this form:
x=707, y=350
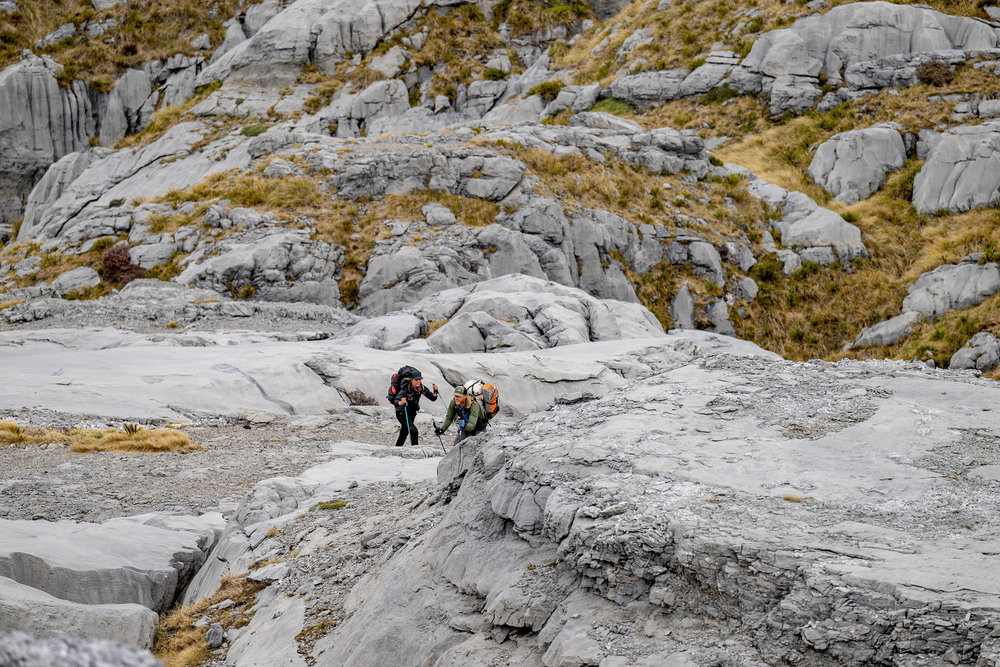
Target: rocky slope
x=243, y=217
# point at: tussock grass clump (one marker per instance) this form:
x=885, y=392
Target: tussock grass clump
x=138, y=440
x=179, y=644
x=13, y=434
x=335, y=504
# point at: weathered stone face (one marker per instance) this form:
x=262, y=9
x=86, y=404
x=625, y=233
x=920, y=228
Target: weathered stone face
x=853, y=165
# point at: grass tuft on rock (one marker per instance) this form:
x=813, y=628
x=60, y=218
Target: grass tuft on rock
x=180, y=644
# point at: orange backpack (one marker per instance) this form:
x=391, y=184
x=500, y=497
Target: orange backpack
x=487, y=395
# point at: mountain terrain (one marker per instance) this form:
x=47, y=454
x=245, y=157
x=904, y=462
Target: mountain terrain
x=735, y=268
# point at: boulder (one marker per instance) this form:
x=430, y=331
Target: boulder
x=981, y=352
x=787, y=64
x=527, y=110
x=268, y=257
x=519, y=312
x=604, y=121
x=387, y=332
x=32, y=610
x=23, y=650
x=952, y=287
x=961, y=171
x=890, y=331
x=75, y=280
x=116, y=563
x=648, y=88
x=852, y=165
x=309, y=31
x=682, y=309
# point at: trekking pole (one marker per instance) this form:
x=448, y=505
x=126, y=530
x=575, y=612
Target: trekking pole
x=438, y=433
x=406, y=416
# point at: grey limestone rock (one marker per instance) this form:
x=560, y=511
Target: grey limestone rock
x=387, y=332
x=981, y=352
x=852, y=165
x=718, y=314
x=961, y=171
x=786, y=64
x=75, y=280
x=682, y=309
x=604, y=121
x=215, y=636
x=8, y=6
x=266, y=258
x=23, y=650
x=44, y=121
x=65, y=31
x=390, y=63
x=527, y=110
x=952, y=287
x=648, y=88
x=889, y=331
x=31, y=610
x=523, y=313
x=118, y=562
x=809, y=231
x=309, y=31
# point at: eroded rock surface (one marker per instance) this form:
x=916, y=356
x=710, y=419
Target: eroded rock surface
x=962, y=170
x=852, y=165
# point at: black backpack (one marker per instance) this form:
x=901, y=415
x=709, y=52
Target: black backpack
x=398, y=378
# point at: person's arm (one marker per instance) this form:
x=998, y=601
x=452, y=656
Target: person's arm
x=449, y=417
x=475, y=414
x=433, y=395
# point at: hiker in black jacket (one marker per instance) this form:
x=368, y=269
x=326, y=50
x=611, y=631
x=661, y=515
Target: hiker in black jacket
x=407, y=402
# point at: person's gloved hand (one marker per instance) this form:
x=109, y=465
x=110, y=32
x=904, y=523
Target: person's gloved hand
x=435, y=388
x=437, y=430
x=402, y=401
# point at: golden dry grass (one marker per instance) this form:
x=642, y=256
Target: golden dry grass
x=143, y=440
x=96, y=440
x=10, y=304
x=13, y=434
x=178, y=644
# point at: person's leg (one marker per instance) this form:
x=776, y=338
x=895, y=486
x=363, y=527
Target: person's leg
x=413, y=429
x=403, y=430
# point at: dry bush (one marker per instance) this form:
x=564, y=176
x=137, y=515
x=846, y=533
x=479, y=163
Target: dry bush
x=117, y=267
x=935, y=73
x=179, y=644
x=358, y=397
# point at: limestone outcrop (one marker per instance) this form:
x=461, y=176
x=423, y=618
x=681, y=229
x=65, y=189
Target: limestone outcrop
x=948, y=287
x=40, y=122
x=810, y=232
x=853, y=165
x=18, y=648
x=962, y=170
x=981, y=352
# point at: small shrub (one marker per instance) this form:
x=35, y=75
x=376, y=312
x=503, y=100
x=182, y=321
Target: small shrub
x=495, y=74
x=714, y=161
x=613, y=106
x=935, y=73
x=767, y=270
x=253, y=130
x=849, y=216
x=547, y=89
x=719, y=95
x=332, y=504
x=116, y=265
x=358, y=397
x=131, y=429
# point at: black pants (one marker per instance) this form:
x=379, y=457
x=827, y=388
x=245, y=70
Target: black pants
x=404, y=415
